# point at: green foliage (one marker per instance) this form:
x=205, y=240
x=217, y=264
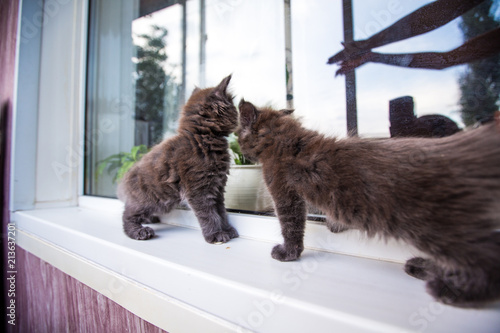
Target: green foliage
x=238, y=157
x=480, y=84
x=120, y=163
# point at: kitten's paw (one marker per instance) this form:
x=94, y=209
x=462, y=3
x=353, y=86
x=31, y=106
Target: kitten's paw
x=443, y=292
x=281, y=253
x=337, y=228
x=420, y=268
x=222, y=236
x=232, y=232
x=142, y=233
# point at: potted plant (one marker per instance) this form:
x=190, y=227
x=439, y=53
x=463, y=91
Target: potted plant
x=119, y=164
x=245, y=189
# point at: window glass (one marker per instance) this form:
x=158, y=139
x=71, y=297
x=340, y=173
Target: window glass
x=319, y=96
x=135, y=85
x=433, y=91
x=463, y=93
x=146, y=57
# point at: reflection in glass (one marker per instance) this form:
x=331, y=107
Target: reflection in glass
x=134, y=85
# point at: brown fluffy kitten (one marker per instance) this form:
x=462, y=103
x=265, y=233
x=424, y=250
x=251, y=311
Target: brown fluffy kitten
x=192, y=165
x=441, y=195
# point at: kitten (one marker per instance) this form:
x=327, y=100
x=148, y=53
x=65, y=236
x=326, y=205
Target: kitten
x=441, y=195
x=192, y=165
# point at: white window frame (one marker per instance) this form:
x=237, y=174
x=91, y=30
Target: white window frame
x=47, y=191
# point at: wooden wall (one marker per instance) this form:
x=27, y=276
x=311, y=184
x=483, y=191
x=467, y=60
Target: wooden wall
x=8, y=31
x=51, y=301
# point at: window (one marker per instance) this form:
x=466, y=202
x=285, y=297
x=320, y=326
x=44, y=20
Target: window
x=90, y=239
x=145, y=63
x=146, y=56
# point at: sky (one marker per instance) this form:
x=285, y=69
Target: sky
x=246, y=38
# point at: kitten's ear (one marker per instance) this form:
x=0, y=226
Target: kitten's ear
x=248, y=113
x=287, y=111
x=220, y=90
x=196, y=89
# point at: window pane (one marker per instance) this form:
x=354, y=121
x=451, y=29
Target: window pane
x=319, y=96
x=158, y=74
x=377, y=84
x=434, y=91
x=145, y=62
x=246, y=38
x=135, y=84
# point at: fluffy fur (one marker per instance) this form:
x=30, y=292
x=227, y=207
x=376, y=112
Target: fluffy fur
x=441, y=195
x=192, y=165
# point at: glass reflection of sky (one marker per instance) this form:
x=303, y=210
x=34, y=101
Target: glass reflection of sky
x=245, y=38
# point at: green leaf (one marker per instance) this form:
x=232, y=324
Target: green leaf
x=124, y=168
x=101, y=167
x=138, y=151
x=239, y=158
x=127, y=157
x=119, y=164
x=110, y=158
x=134, y=152
x=114, y=165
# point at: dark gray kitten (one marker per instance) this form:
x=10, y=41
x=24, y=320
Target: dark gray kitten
x=192, y=165
x=441, y=195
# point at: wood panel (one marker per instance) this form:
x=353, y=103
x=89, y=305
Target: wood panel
x=50, y=301
x=8, y=32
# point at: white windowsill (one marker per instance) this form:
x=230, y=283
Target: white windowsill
x=182, y=284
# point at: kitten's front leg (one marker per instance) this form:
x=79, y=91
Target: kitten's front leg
x=213, y=223
x=291, y=212
x=221, y=208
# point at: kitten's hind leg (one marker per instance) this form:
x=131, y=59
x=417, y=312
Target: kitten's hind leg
x=475, y=279
x=464, y=287
x=334, y=226
x=421, y=268
x=132, y=223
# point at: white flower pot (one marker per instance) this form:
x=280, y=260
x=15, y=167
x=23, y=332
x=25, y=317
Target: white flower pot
x=245, y=188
